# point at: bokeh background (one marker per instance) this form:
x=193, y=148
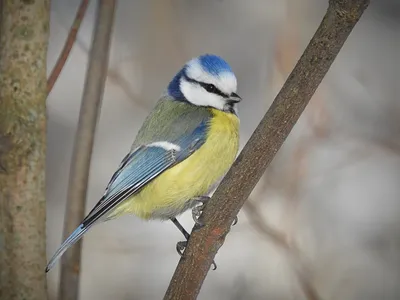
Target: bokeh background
x=323, y=223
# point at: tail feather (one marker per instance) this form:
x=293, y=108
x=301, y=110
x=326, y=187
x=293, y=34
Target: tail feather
x=72, y=239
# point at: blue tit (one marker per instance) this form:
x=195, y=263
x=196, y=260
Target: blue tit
x=184, y=147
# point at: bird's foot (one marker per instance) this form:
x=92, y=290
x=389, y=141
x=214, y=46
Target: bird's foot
x=180, y=248
x=197, y=210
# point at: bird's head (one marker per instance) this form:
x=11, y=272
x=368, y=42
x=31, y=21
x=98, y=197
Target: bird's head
x=207, y=80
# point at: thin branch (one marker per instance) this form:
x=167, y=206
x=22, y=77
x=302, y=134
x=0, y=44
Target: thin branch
x=115, y=77
x=277, y=237
x=219, y=213
x=282, y=240
x=67, y=46
x=84, y=139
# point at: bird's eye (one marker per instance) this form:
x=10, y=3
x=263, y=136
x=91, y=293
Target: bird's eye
x=211, y=88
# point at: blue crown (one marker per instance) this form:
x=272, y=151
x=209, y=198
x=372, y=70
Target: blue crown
x=214, y=64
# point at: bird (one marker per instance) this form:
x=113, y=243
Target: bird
x=184, y=148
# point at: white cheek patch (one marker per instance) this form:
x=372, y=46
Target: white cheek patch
x=225, y=81
x=196, y=95
x=165, y=145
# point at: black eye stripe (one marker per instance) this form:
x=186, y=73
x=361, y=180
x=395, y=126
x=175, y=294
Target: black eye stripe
x=208, y=87
x=212, y=89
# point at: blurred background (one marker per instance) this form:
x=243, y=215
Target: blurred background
x=323, y=222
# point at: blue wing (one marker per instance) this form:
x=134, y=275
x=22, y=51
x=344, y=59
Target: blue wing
x=137, y=169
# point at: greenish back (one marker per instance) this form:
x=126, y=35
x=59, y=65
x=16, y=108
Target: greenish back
x=170, y=120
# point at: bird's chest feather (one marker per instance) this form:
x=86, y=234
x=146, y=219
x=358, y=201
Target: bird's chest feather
x=213, y=159
x=168, y=193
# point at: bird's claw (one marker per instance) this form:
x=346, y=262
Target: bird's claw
x=197, y=210
x=180, y=248
x=214, y=265
x=235, y=221
x=196, y=213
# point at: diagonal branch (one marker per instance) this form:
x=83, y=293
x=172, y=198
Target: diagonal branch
x=79, y=173
x=55, y=73
x=219, y=213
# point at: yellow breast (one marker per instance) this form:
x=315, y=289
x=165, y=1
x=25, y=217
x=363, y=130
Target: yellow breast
x=166, y=196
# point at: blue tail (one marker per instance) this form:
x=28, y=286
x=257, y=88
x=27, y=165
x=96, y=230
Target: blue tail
x=72, y=239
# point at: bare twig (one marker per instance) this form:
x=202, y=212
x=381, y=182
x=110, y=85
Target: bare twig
x=84, y=139
x=281, y=239
x=295, y=176
x=67, y=46
x=115, y=77
x=219, y=213
x=274, y=235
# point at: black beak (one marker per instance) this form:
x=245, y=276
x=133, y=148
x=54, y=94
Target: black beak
x=234, y=98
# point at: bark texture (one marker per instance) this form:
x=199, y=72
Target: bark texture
x=24, y=33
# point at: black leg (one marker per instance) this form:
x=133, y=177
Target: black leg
x=180, y=246
x=180, y=227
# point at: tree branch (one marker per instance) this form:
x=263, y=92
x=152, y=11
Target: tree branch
x=84, y=139
x=67, y=46
x=219, y=213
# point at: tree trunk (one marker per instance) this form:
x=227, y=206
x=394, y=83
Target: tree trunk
x=24, y=33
